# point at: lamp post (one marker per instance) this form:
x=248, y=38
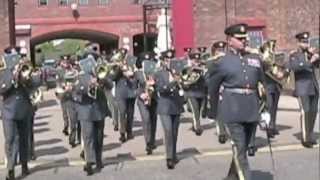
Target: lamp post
x=12, y=24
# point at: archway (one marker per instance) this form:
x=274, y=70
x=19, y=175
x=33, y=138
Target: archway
x=107, y=41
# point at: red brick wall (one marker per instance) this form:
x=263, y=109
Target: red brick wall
x=4, y=26
x=283, y=18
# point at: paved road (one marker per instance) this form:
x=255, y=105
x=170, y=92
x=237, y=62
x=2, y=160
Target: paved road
x=290, y=165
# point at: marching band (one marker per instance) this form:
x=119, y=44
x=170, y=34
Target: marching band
x=233, y=85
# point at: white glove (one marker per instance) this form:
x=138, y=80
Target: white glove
x=265, y=119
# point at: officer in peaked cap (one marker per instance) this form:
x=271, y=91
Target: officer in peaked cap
x=239, y=72
x=187, y=49
x=202, y=49
x=303, y=63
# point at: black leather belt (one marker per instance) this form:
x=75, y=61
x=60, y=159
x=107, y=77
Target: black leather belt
x=240, y=90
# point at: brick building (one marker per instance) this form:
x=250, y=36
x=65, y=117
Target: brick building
x=4, y=25
x=113, y=23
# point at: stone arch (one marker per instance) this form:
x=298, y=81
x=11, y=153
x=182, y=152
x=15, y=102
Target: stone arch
x=107, y=41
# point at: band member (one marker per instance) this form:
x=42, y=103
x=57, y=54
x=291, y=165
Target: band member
x=66, y=99
x=273, y=86
x=195, y=90
x=91, y=106
x=170, y=106
x=125, y=86
x=147, y=100
x=65, y=80
x=15, y=85
x=218, y=50
x=303, y=62
x=112, y=103
x=239, y=72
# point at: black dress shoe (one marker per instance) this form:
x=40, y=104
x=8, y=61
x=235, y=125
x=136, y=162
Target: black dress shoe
x=88, y=168
x=25, y=170
x=198, y=132
x=307, y=144
x=10, y=175
x=82, y=155
x=99, y=167
x=270, y=134
x=149, y=150
x=130, y=136
x=251, y=151
x=73, y=145
x=65, y=132
x=222, y=139
x=276, y=132
x=122, y=138
x=170, y=164
x=153, y=147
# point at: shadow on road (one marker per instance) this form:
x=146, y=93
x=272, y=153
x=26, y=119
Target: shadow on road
x=41, y=130
x=299, y=136
x=56, y=165
x=283, y=127
x=111, y=146
x=42, y=117
x=289, y=109
x=51, y=151
x=40, y=124
x=260, y=175
x=48, y=103
x=47, y=142
x=187, y=153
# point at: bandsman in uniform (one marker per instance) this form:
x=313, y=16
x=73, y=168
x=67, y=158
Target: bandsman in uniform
x=65, y=101
x=303, y=62
x=273, y=87
x=195, y=90
x=91, y=107
x=125, y=87
x=147, y=99
x=112, y=103
x=170, y=106
x=218, y=50
x=16, y=82
x=239, y=72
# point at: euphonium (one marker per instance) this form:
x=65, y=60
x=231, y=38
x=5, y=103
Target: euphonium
x=274, y=63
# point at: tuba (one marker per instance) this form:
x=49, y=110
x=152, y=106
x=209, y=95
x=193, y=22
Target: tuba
x=191, y=75
x=274, y=63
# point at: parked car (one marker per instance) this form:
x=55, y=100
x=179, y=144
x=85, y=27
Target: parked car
x=50, y=72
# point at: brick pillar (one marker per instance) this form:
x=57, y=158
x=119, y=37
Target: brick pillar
x=4, y=25
x=183, y=31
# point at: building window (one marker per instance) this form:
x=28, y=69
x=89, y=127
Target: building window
x=83, y=2
x=43, y=2
x=104, y=2
x=255, y=38
x=63, y=2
